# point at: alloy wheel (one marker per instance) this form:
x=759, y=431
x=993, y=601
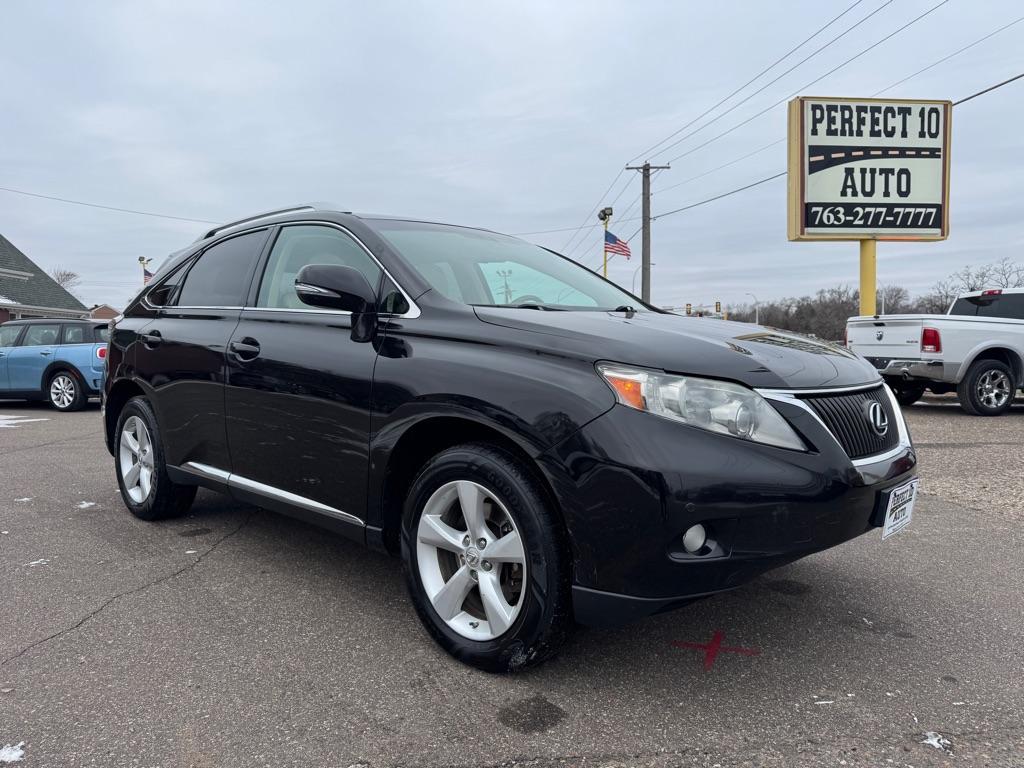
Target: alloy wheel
x=135, y=459
x=993, y=388
x=471, y=560
x=62, y=390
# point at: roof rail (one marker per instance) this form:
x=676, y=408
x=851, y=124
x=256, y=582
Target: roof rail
x=257, y=217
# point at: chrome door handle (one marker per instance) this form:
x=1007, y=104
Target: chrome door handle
x=246, y=349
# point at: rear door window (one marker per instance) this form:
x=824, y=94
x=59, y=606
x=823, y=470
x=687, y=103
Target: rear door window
x=220, y=278
x=40, y=335
x=73, y=334
x=9, y=335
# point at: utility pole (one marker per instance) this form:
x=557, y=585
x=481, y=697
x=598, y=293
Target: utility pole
x=645, y=262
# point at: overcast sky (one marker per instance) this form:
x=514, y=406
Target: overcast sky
x=513, y=116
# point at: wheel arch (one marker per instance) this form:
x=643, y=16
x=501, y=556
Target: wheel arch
x=57, y=366
x=120, y=393
x=416, y=445
x=1003, y=354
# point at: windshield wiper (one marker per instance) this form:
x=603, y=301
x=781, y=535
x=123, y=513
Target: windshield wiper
x=533, y=305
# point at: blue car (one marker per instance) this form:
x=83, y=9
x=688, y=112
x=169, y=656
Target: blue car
x=61, y=361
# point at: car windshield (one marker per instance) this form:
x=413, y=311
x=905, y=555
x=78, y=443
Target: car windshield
x=487, y=269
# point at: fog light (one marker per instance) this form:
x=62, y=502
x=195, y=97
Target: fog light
x=694, y=539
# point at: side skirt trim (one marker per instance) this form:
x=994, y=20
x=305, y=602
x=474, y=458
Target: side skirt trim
x=243, y=483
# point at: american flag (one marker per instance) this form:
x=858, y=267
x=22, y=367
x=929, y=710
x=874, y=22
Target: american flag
x=146, y=276
x=612, y=244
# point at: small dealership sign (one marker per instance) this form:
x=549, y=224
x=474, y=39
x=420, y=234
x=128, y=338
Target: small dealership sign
x=868, y=169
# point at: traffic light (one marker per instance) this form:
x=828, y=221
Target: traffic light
x=689, y=309
x=718, y=307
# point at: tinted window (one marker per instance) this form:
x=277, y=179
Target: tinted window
x=300, y=246
x=166, y=292
x=1007, y=305
x=9, y=334
x=221, y=276
x=41, y=334
x=73, y=334
x=102, y=333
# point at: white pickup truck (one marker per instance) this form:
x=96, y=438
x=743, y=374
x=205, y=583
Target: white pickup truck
x=976, y=349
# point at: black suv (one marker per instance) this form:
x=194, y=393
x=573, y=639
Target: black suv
x=536, y=444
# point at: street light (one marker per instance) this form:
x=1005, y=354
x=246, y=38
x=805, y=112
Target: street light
x=633, y=291
x=757, y=313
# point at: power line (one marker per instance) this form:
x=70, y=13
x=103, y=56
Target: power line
x=720, y=167
x=105, y=207
x=751, y=80
x=583, y=225
x=876, y=93
x=950, y=56
x=719, y=197
x=815, y=80
x=594, y=209
x=783, y=173
x=743, y=101
x=989, y=89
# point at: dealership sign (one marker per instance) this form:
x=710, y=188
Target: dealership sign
x=868, y=169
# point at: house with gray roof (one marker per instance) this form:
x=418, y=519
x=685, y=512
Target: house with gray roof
x=27, y=291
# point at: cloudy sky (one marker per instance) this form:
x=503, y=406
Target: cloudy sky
x=513, y=116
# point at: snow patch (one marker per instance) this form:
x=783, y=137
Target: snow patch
x=190, y=551
x=26, y=498
x=937, y=740
x=40, y=561
x=12, y=753
x=5, y=300
x=86, y=504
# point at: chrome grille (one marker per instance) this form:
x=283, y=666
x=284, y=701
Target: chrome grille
x=846, y=416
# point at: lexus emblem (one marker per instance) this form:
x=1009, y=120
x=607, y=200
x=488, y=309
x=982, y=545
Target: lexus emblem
x=879, y=335
x=877, y=418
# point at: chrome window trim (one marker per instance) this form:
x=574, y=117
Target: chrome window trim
x=414, y=310
x=792, y=396
x=237, y=481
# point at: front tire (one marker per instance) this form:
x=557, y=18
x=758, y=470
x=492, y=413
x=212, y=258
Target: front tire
x=485, y=559
x=987, y=389
x=66, y=391
x=146, y=489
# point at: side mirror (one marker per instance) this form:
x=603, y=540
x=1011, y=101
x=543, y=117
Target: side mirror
x=335, y=287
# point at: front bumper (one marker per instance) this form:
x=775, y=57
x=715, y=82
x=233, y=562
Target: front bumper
x=630, y=484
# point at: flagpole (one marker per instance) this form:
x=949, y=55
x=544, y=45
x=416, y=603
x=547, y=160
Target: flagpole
x=605, y=246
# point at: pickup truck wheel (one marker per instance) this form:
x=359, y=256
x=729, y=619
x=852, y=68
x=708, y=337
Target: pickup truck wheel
x=908, y=394
x=987, y=389
x=141, y=470
x=485, y=559
x=66, y=391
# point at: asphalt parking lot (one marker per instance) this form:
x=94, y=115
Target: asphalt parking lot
x=236, y=637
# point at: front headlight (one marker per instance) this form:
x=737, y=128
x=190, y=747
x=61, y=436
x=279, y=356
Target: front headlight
x=717, y=406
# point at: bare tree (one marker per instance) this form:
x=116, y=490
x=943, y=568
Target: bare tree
x=1006, y=274
x=65, y=278
x=893, y=299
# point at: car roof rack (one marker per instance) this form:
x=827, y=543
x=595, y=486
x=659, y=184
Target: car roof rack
x=257, y=217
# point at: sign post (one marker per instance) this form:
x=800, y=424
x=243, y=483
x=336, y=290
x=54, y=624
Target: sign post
x=868, y=170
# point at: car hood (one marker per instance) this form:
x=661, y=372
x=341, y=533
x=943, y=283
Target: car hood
x=749, y=354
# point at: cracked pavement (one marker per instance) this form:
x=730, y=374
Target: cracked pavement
x=237, y=637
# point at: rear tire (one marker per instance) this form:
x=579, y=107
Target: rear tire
x=141, y=469
x=908, y=394
x=506, y=614
x=988, y=389
x=66, y=391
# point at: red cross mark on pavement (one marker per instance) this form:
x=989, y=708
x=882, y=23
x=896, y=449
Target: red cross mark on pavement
x=712, y=649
